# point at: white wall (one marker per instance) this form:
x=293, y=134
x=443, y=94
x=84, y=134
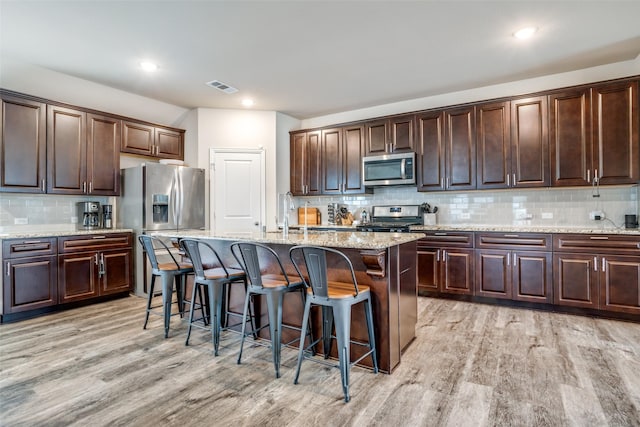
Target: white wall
x=595, y=74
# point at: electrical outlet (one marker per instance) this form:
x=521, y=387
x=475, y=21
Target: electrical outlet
x=547, y=215
x=596, y=215
x=20, y=221
x=74, y=220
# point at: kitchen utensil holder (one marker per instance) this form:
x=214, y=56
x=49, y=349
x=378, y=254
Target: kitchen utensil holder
x=429, y=219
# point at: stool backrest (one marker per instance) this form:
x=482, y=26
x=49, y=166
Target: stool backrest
x=194, y=249
x=248, y=256
x=315, y=262
x=148, y=245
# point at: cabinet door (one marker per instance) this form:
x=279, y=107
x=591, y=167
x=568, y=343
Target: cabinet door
x=570, y=138
x=103, y=155
x=137, y=138
x=615, y=132
x=431, y=151
x=494, y=145
x=401, y=130
x=620, y=284
x=332, y=161
x=575, y=280
x=169, y=144
x=427, y=269
x=66, y=151
x=353, y=152
x=531, y=276
x=314, y=163
x=297, y=156
x=529, y=143
x=460, y=138
x=376, y=137
x=456, y=271
x=23, y=135
x=29, y=283
x=493, y=273
x=77, y=276
x=116, y=272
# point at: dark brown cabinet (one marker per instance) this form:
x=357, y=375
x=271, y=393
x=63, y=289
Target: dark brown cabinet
x=445, y=263
x=306, y=164
x=96, y=265
x=29, y=279
x=342, y=152
x=530, y=142
x=392, y=135
x=23, y=132
x=594, y=135
x=615, y=132
x=597, y=271
x=152, y=141
x=493, y=132
x=514, y=266
x=82, y=152
x=447, y=150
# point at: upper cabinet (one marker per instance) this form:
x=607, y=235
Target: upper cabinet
x=147, y=140
x=594, y=135
x=23, y=157
x=103, y=154
x=305, y=170
x=493, y=136
x=393, y=135
x=447, y=150
x=615, y=132
x=529, y=142
x=342, y=152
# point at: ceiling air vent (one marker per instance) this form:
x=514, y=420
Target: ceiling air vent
x=221, y=86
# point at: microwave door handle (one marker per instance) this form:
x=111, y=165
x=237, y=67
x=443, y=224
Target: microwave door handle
x=403, y=168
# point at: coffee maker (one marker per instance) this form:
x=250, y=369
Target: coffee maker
x=89, y=213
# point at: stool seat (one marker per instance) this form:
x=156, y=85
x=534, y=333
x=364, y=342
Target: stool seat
x=339, y=290
x=219, y=272
x=170, y=266
x=278, y=280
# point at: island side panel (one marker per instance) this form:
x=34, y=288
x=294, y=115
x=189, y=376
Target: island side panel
x=408, y=294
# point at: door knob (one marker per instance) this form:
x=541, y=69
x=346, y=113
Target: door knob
x=256, y=224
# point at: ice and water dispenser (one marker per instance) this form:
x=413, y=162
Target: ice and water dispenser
x=160, y=208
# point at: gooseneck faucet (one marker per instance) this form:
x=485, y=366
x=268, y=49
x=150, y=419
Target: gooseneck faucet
x=287, y=202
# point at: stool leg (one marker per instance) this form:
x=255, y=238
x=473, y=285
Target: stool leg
x=309, y=332
x=327, y=328
x=193, y=296
x=180, y=285
x=342, y=314
x=244, y=323
x=305, y=324
x=149, y=298
x=372, y=339
x=167, y=296
x=274, y=306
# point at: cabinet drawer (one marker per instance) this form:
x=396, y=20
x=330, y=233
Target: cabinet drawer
x=517, y=241
x=446, y=239
x=597, y=243
x=21, y=248
x=94, y=242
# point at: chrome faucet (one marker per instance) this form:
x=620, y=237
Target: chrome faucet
x=287, y=202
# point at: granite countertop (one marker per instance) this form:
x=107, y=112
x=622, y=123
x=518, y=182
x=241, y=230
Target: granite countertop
x=60, y=233
x=526, y=229
x=336, y=239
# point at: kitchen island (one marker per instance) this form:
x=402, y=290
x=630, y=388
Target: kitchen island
x=386, y=262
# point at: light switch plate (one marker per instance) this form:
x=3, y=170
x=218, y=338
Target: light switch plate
x=21, y=221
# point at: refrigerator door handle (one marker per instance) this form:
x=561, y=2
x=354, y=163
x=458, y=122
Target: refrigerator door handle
x=174, y=197
x=180, y=198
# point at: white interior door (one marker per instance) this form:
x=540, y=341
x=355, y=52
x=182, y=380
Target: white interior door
x=237, y=190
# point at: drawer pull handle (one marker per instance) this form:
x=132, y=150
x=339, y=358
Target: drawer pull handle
x=511, y=235
x=99, y=237
x=599, y=238
x=444, y=234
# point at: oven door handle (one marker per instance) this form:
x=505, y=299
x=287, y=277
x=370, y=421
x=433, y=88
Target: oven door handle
x=403, y=169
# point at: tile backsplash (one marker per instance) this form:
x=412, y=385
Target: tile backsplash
x=566, y=207
x=42, y=212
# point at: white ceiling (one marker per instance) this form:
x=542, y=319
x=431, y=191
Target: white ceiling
x=311, y=58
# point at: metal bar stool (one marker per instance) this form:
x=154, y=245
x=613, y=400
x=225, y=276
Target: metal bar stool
x=273, y=287
x=170, y=273
x=336, y=299
x=216, y=279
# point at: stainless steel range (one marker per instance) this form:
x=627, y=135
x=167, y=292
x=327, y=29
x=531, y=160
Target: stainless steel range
x=396, y=219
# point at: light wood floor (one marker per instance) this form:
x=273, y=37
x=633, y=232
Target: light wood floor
x=470, y=364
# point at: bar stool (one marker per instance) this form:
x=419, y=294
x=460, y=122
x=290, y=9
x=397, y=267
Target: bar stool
x=273, y=287
x=216, y=279
x=170, y=273
x=336, y=299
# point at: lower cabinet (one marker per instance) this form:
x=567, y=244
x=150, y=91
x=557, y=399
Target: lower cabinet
x=445, y=263
x=598, y=272
x=30, y=270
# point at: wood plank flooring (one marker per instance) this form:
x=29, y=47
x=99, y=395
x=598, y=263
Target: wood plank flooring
x=470, y=365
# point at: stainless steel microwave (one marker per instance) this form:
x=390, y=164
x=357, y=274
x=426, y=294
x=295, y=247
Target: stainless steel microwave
x=389, y=169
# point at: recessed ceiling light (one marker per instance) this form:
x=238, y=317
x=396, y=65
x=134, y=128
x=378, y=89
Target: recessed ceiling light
x=525, y=33
x=148, y=66
x=247, y=102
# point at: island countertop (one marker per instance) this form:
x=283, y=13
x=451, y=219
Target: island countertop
x=353, y=240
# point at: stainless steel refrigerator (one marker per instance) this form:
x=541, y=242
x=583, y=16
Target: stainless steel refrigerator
x=160, y=197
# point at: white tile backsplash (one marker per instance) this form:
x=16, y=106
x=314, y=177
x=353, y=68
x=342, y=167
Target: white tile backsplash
x=567, y=207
